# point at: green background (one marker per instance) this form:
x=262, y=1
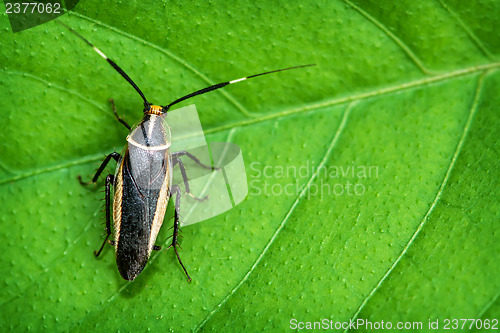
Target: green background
x=409, y=87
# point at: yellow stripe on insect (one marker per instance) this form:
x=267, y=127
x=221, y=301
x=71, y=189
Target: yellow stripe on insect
x=155, y=109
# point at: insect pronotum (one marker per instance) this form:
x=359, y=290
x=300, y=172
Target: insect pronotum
x=143, y=180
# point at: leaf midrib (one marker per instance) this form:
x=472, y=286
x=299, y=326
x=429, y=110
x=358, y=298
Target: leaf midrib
x=313, y=107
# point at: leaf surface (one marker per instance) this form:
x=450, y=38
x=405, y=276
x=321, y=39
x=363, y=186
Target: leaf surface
x=373, y=177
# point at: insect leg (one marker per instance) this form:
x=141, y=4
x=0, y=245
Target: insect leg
x=109, y=181
x=114, y=155
x=177, y=190
x=117, y=116
x=194, y=158
x=177, y=160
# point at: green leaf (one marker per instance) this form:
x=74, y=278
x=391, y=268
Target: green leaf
x=373, y=177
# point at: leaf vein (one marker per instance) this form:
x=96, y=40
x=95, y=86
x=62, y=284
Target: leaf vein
x=58, y=87
x=488, y=306
x=392, y=36
x=46, y=268
x=436, y=199
x=35, y=172
x=468, y=31
x=287, y=216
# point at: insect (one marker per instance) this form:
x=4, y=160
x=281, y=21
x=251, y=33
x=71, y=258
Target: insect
x=143, y=180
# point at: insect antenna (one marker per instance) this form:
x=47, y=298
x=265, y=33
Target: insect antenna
x=111, y=62
x=223, y=84
x=196, y=93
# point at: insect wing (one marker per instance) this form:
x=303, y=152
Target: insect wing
x=150, y=167
x=143, y=188
x=149, y=147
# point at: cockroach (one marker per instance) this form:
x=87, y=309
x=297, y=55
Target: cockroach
x=142, y=181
